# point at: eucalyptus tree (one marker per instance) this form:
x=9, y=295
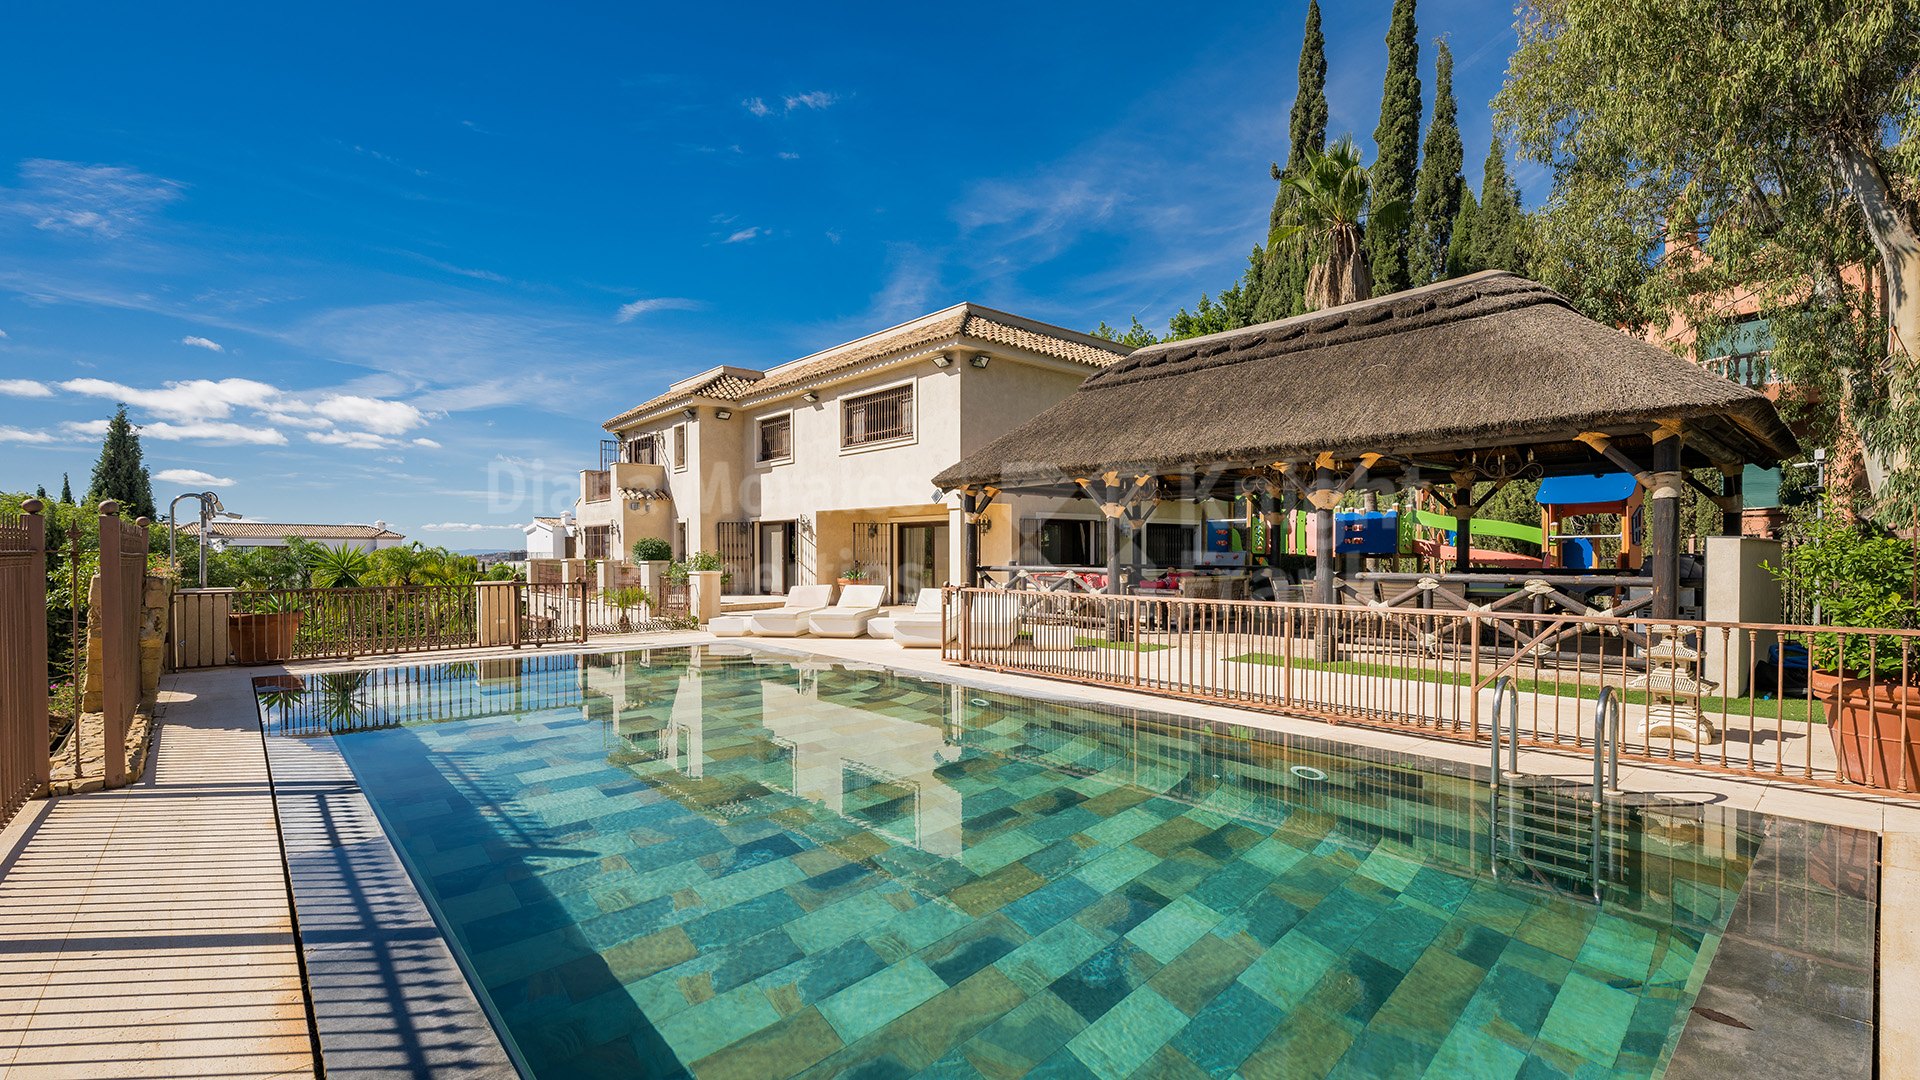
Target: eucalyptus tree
x=1702, y=145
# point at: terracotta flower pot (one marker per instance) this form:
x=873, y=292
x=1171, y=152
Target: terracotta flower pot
x=262, y=637
x=844, y=582
x=1871, y=743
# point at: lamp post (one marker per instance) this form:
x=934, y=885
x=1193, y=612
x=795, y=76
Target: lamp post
x=210, y=507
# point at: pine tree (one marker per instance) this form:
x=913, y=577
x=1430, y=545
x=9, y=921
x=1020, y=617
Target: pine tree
x=1284, y=275
x=121, y=473
x=1499, y=237
x=66, y=489
x=1461, y=256
x=1397, y=144
x=1436, y=202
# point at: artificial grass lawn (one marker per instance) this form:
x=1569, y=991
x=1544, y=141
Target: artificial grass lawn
x=1103, y=643
x=1794, y=708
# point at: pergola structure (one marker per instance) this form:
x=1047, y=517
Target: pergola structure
x=1486, y=378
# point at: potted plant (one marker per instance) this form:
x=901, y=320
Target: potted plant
x=855, y=575
x=1861, y=577
x=625, y=599
x=652, y=556
x=265, y=632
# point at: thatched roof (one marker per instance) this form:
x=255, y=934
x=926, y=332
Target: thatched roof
x=1425, y=376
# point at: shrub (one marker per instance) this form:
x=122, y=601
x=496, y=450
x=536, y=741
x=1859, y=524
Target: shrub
x=1860, y=576
x=652, y=549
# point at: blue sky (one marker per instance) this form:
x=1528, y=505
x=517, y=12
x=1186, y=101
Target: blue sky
x=397, y=262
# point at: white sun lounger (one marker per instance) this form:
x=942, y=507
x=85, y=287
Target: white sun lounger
x=849, y=616
x=923, y=622
x=792, y=619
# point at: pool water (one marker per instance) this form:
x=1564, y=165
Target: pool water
x=727, y=863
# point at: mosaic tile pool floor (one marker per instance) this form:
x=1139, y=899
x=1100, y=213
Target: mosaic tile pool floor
x=726, y=864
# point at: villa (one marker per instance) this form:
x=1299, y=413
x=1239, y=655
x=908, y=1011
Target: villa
x=801, y=472
x=222, y=535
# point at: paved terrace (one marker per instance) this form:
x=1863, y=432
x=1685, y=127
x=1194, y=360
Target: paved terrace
x=147, y=931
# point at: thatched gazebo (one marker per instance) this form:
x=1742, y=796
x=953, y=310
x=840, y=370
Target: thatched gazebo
x=1484, y=378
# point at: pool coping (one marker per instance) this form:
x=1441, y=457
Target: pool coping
x=423, y=1016
x=1738, y=976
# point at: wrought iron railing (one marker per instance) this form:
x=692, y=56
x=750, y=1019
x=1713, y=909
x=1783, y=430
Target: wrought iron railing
x=1757, y=699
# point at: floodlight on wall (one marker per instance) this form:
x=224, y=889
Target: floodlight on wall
x=691, y=414
x=979, y=360
x=723, y=414
x=810, y=396
x=943, y=360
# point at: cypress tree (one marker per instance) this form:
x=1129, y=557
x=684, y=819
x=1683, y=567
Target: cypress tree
x=41, y=493
x=1499, y=241
x=1461, y=256
x=1397, y=145
x=66, y=489
x=121, y=473
x=1436, y=201
x=1307, y=127
x=1284, y=276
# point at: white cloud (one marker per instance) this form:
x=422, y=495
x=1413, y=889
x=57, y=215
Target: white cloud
x=287, y=419
x=190, y=431
x=745, y=234
x=788, y=155
x=428, y=443
x=210, y=431
x=813, y=99
x=373, y=414
x=461, y=526
x=24, y=388
x=16, y=435
x=202, y=343
x=629, y=312
x=103, y=201
x=194, y=478
x=356, y=440
x=756, y=106
x=193, y=399
x=3, y=335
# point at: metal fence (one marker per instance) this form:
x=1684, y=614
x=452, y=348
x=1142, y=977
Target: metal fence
x=122, y=582
x=213, y=627
x=1744, y=698
x=23, y=658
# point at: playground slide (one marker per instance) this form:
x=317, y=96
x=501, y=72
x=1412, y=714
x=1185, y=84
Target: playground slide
x=1526, y=534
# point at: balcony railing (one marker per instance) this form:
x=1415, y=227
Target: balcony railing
x=599, y=485
x=1753, y=370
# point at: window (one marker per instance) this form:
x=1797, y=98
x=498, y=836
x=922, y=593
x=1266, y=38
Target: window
x=599, y=540
x=877, y=417
x=776, y=438
x=680, y=446
x=1169, y=545
x=644, y=450
x=1062, y=542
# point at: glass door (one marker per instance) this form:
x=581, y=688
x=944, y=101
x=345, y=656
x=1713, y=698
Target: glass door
x=922, y=559
x=776, y=557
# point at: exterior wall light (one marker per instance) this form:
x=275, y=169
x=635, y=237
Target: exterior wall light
x=943, y=360
x=723, y=414
x=691, y=414
x=810, y=396
x=979, y=360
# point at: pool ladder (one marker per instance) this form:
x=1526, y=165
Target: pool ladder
x=1546, y=833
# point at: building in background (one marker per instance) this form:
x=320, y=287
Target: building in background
x=222, y=535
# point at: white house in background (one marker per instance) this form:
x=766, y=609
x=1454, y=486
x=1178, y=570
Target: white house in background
x=797, y=473
x=547, y=538
x=223, y=535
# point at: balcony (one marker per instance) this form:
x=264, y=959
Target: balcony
x=1752, y=370
x=596, y=485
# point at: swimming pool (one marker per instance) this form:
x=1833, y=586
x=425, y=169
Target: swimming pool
x=727, y=863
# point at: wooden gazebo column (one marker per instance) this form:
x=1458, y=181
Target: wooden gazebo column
x=969, y=543
x=1324, y=495
x=1663, y=527
x=1463, y=509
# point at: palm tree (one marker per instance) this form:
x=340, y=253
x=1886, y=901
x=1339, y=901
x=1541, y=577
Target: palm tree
x=1330, y=190
x=342, y=567
x=404, y=565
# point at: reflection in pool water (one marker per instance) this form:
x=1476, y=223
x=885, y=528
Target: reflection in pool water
x=737, y=863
